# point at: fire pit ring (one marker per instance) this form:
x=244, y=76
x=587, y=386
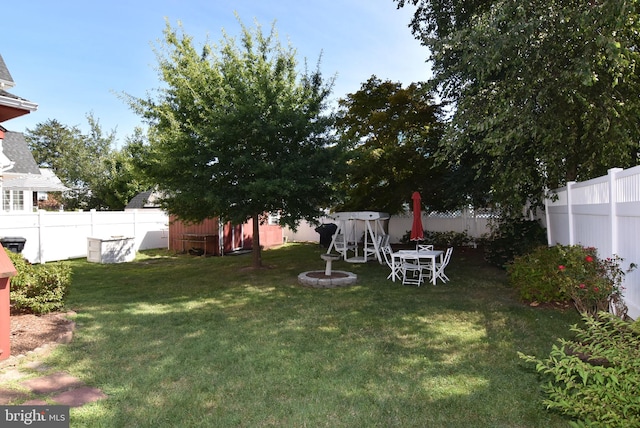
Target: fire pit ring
x=318, y=279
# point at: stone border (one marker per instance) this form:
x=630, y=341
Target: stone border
x=349, y=279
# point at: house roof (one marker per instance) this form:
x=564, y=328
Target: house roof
x=146, y=199
x=11, y=106
x=25, y=173
x=46, y=182
x=16, y=149
x=5, y=77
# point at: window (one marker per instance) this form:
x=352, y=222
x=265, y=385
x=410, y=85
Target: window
x=274, y=219
x=13, y=200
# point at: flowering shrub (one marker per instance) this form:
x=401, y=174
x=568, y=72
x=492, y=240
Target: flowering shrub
x=571, y=272
x=591, y=282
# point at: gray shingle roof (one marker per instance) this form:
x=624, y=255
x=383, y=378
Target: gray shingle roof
x=4, y=73
x=146, y=199
x=4, y=93
x=40, y=182
x=16, y=149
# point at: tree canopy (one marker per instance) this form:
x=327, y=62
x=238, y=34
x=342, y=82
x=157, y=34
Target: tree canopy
x=87, y=163
x=393, y=134
x=238, y=130
x=544, y=91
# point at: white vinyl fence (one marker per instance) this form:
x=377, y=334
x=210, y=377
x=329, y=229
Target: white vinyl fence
x=603, y=213
x=52, y=236
x=475, y=224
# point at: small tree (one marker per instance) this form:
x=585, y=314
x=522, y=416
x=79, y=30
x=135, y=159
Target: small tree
x=238, y=132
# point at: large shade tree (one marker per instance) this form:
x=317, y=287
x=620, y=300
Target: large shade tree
x=238, y=130
x=393, y=133
x=544, y=91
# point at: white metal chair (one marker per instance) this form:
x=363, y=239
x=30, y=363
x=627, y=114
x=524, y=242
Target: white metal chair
x=394, y=265
x=412, y=270
x=424, y=247
x=438, y=268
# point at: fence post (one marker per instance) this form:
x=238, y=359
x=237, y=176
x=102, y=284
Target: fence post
x=570, y=212
x=613, y=208
x=40, y=236
x=93, y=221
x=547, y=217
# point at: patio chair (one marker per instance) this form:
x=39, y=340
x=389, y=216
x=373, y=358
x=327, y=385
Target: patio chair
x=424, y=247
x=438, y=269
x=412, y=270
x=396, y=268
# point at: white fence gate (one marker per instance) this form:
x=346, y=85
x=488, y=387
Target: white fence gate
x=52, y=236
x=603, y=213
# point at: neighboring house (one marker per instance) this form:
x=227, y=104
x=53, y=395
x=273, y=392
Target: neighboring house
x=20, y=177
x=211, y=237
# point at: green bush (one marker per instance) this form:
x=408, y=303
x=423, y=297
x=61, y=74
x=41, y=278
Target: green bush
x=38, y=289
x=512, y=238
x=593, y=379
x=536, y=276
x=569, y=272
x=442, y=239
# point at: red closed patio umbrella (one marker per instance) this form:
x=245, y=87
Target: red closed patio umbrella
x=417, y=234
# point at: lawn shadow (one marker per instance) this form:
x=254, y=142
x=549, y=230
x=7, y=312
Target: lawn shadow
x=198, y=341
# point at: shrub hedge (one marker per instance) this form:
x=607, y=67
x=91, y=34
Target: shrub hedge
x=594, y=378
x=38, y=289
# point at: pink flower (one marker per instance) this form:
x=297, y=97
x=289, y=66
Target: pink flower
x=582, y=286
x=589, y=259
x=596, y=289
x=561, y=267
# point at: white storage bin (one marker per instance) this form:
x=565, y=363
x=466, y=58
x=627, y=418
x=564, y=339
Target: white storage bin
x=116, y=249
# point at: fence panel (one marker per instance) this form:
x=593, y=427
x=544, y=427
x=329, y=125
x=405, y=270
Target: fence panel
x=52, y=236
x=603, y=213
x=399, y=225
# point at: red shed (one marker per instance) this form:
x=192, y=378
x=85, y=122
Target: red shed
x=209, y=237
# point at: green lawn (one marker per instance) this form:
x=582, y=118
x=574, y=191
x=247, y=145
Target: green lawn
x=179, y=341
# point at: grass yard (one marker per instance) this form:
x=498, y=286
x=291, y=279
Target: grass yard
x=183, y=341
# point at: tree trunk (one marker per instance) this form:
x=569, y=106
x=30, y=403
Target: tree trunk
x=256, y=251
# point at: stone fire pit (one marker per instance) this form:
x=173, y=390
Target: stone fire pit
x=327, y=278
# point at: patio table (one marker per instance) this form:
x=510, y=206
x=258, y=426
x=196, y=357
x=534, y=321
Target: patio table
x=430, y=255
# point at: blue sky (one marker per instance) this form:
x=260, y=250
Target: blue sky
x=74, y=57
